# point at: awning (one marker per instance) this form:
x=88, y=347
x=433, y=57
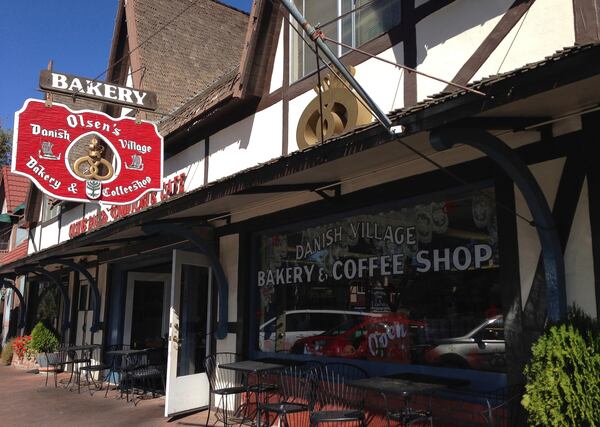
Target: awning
x=6, y=218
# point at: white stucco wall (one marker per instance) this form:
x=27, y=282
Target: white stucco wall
x=229, y=254
x=191, y=162
x=448, y=38
x=579, y=260
x=547, y=175
x=254, y=140
x=277, y=75
x=547, y=26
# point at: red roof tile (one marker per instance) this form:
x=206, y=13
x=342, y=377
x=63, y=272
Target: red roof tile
x=16, y=188
x=16, y=254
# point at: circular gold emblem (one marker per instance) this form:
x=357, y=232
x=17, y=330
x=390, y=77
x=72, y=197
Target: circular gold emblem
x=93, y=166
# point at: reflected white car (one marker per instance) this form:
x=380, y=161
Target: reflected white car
x=298, y=324
x=483, y=348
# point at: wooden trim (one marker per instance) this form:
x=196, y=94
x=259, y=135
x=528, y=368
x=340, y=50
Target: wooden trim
x=590, y=128
x=587, y=20
x=135, y=58
x=271, y=47
x=409, y=30
x=206, y=158
x=284, y=87
x=491, y=42
x=243, y=291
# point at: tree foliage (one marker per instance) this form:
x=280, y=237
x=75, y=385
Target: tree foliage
x=5, y=146
x=563, y=376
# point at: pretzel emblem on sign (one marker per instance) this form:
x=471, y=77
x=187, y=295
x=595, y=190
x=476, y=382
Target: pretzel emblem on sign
x=93, y=163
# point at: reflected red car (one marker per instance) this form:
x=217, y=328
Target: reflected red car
x=383, y=337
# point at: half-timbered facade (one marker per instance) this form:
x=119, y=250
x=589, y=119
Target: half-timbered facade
x=444, y=248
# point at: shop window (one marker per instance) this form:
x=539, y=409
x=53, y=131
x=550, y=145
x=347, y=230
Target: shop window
x=389, y=284
x=50, y=208
x=370, y=21
x=83, y=303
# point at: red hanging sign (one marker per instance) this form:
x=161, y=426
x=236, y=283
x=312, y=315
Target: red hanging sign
x=86, y=156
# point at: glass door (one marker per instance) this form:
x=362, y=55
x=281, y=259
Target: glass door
x=190, y=326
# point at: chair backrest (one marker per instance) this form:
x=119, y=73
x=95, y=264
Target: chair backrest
x=136, y=360
x=347, y=371
x=332, y=389
x=296, y=383
x=219, y=378
x=58, y=357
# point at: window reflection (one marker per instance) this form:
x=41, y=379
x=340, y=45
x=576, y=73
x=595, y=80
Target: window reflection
x=414, y=284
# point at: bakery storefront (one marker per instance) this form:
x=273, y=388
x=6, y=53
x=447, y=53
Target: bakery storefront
x=408, y=282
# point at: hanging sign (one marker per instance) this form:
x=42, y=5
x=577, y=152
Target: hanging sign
x=52, y=81
x=86, y=156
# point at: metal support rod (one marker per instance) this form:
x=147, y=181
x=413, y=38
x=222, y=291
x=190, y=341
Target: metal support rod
x=315, y=35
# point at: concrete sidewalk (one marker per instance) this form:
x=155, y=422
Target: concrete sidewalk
x=25, y=401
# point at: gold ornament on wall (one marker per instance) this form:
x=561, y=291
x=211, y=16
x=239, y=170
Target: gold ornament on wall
x=342, y=112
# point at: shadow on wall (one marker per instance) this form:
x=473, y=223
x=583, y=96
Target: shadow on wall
x=236, y=141
x=451, y=21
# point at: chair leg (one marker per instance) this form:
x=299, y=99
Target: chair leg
x=208, y=416
x=55, y=377
x=47, y=374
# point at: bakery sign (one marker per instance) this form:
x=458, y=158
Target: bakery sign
x=86, y=156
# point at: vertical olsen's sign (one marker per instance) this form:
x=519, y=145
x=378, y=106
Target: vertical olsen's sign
x=86, y=156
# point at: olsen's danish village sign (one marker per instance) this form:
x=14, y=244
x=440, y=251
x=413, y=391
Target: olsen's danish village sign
x=86, y=156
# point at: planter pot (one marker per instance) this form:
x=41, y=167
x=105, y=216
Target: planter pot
x=41, y=360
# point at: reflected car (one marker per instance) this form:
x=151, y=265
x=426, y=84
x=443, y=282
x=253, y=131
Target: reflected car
x=380, y=336
x=483, y=348
x=297, y=324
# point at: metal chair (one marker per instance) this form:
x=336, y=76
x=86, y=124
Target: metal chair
x=295, y=385
x=223, y=382
x=117, y=365
x=502, y=409
x=132, y=362
x=335, y=400
x=143, y=376
x=57, y=360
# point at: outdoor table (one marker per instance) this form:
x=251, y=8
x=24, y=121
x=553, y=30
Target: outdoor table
x=247, y=367
x=83, y=358
x=400, y=387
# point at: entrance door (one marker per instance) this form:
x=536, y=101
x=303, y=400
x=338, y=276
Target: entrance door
x=146, y=309
x=189, y=333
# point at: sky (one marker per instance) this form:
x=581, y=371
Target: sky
x=75, y=34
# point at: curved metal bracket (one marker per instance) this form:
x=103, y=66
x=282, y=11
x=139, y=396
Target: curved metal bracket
x=511, y=163
x=41, y=271
x=6, y=283
x=205, y=249
x=96, y=301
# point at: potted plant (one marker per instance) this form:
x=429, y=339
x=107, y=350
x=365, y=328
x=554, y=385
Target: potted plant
x=43, y=341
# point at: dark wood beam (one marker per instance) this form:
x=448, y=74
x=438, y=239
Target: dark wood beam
x=286, y=188
x=587, y=21
x=499, y=123
x=430, y=7
x=491, y=42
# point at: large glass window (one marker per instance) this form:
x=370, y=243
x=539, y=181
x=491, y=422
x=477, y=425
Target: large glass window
x=411, y=284
x=373, y=18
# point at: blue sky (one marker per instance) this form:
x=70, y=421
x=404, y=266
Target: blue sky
x=75, y=34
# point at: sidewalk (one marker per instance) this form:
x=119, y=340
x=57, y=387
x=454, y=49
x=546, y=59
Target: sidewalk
x=25, y=401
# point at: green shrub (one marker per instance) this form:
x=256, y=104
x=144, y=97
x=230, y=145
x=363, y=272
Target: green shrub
x=7, y=353
x=563, y=379
x=42, y=340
